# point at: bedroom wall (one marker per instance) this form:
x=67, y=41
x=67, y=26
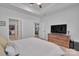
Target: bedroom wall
x=69, y=16
x=26, y=20
x=4, y=29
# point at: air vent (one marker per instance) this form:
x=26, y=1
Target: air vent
x=2, y=23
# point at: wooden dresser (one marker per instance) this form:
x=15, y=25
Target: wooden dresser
x=59, y=39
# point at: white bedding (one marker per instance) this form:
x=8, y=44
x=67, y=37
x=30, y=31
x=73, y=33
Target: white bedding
x=37, y=47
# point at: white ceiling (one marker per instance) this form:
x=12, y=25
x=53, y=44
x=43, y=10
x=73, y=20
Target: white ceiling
x=34, y=10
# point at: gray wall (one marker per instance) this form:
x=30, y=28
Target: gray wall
x=69, y=16
x=26, y=20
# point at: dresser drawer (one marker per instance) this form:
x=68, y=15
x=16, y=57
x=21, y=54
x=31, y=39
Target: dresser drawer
x=61, y=40
x=58, y=39
x=56, y=36
x=60, y=43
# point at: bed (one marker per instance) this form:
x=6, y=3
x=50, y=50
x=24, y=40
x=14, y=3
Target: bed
x=33, y=47
x=37, y=47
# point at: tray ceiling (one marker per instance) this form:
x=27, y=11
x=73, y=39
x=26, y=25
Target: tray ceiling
x=35, y=10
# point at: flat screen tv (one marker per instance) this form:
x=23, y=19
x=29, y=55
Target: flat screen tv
x=59, y=28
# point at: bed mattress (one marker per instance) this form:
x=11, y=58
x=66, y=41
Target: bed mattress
x=37, y=47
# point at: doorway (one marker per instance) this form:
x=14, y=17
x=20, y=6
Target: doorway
x=36, y=29
x=13, y=29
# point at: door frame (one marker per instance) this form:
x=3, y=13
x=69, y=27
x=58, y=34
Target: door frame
x=19, y=27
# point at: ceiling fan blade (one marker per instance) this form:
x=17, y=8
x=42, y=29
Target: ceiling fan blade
x=40, y=6
x=31, y=3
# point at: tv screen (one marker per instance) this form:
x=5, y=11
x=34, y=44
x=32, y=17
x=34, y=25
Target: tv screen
x=59, y=28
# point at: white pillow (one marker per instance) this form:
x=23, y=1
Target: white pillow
x=12, y=49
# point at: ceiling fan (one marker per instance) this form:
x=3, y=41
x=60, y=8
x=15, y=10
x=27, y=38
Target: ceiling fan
x=40, y=5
